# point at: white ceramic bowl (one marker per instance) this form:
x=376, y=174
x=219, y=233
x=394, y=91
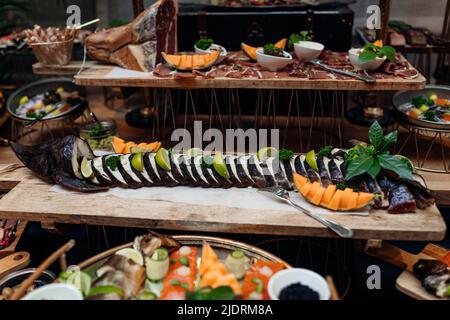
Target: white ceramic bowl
x=272, y=63
x=308, y=50
x=222, y=56
x=368, y=66
x=55, y=291
x=306, y=277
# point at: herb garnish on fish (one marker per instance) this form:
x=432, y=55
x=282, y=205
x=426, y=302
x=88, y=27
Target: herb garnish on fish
x=325, y=151
x=285, y=155
x=112, y=162
x=371, y=159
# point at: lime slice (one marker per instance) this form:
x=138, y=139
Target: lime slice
x=132, y=254
x=80, y=280
x=162, y=159
x=265, y=153
x=60, y=90
x=147, y=295
x=105, y=290
x=138, y=162
x=406, y=161
x=86, y=169
x=193, y=152
x=311, y=160
x=220, y=166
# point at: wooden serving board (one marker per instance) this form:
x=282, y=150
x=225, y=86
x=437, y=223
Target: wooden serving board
x=33, y=200
x=407, y=282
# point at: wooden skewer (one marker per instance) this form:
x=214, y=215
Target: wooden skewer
x=44, y=265
x=334, y=293
x=87, y=23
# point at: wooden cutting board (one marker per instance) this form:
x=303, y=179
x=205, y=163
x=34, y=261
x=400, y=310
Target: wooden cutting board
x=407, y=283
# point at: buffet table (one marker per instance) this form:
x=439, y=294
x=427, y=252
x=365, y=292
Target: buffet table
x=32, y=199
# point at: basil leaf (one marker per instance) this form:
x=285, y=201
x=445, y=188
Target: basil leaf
x=375, y=169
x=359, y=166
x=221, y=293
x=366, y=56
x=395, y=165
x=389, y=141
x=387, y=52
x=376, y=135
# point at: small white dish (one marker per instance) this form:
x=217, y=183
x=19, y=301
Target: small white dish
x=306, y=277
x=55, y=291
x=223, y=52
x=368, y=66
x=308, y=50
x=272, y=63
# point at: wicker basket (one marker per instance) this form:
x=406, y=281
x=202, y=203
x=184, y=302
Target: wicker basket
x=53, y=53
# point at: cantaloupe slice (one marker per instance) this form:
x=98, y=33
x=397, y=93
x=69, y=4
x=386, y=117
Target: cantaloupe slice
x=317, y=198
x=364, y=199
x=189, y=61
x=196, y=61
x=209, y=257
x=181, y=62
x=127, y=147
x=299, y=181
x=351, y=205
x=249, y=51
x=328, y=195
x=345, y=198
x=336, y=200
x=118, y=144
x=314, y=188
x=281, y=44
x=304, y=190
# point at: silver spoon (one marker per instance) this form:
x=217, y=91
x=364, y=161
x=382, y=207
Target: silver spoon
x=282, y=194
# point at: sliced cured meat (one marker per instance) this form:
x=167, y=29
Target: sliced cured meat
x=335, y=172
x=256, y=172
x=269, y=172
x=162, y=71
x=323, y=171
x=298, y=165
x=279, y=173
x=311, y=174
x=184, y=76
x=400, y=198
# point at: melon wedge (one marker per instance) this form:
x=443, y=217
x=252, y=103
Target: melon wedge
x=299, y=181
x=127, y=147
x=189, y=62
x=317, y=198
x=314, y=188
x=345, y=198
x=364, y=199
x=336, y=200
x=209, y=257
x=352, y=200
x=281, y=44
x=328, y=195
x=304, y=190
x=118, y=144
x=249, y=50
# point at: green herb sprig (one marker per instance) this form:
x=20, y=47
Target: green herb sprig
x=372, y=158
x=271, y=50
x=296, y=37
x=204, y=44
x=285, y=155
x=370, y=52
x=208, y=293
x=112, y=162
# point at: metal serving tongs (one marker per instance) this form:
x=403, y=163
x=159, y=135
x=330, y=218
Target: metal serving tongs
x=283, y=194
x=363, y=77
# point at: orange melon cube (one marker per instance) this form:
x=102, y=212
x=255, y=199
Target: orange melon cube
x=299, y=181
x=304, y=190
x=364, y=199
x=317, y=198
x=345, y=198
x=328, y=195
x=336, y=200
x=314, y=188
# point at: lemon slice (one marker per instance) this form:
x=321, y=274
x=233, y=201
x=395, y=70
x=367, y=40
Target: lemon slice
x=86, y=169
x=193, y=152
x=265, y=153
x=137, y=162
x=311, y=160
x=162, y=159
x=220, y=166
x=80, y=280
x=23, y=100
x=132, y=254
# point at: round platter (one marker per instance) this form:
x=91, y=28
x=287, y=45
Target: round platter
x=39, y=87
x=405, y=97
x=221, y=245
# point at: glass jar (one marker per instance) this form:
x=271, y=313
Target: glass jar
x=99, y=135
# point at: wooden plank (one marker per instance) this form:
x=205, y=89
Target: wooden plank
x=68, y=70
x=41, y=204
x=98, y=77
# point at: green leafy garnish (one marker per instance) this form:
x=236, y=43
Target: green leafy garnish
x=208, y=293
x=112, y=162
x=297, y=37
x=96, y=131
x=344, y=185
x=430, y=116
x=325, y=151
x=259, y=285
x=184, y=261
x=107, y=289
x=285, y=155
x=370, y=52
x=371, y=159
x=271, y=50
x=204, y=44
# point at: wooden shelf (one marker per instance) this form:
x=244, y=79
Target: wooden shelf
x=96, y=74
